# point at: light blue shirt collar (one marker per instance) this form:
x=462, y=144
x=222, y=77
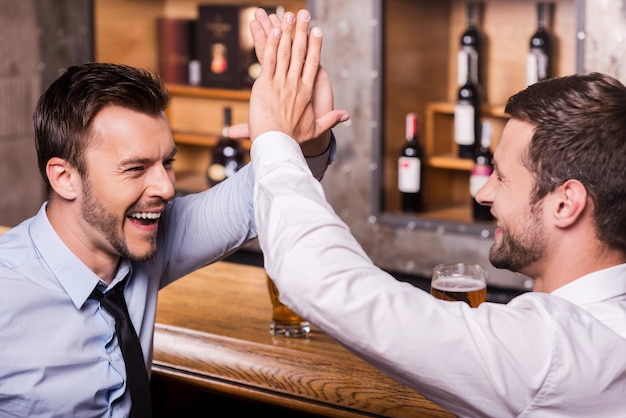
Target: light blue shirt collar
x=75, y=277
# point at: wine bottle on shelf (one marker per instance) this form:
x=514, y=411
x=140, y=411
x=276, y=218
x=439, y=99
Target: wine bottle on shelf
x=227, y=155
x=538, y=60
x=482, y=169
x=467, y=117
x=410, y=167
x=469, y=54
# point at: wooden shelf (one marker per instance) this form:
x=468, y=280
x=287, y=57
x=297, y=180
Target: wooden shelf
x=182, y=90
x=488, y=110
x=450, y=162
x=203, y=140
x=458, y=213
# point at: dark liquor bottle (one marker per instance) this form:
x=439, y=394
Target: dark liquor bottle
x=467, y=117
x=469, y=55
x=227, y=155
x=410, y=167
x=482, y=169
x=538, y=61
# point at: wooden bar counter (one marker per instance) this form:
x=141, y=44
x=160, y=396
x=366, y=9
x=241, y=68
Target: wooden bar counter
x=212, y=332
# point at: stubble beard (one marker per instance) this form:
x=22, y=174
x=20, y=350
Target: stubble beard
x=105, y=222
x=518, y=253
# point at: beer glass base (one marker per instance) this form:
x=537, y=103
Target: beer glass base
x=301, y=330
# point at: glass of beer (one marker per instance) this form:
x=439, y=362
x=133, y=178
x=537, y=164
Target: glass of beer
x=459, y=282
x=284, y=321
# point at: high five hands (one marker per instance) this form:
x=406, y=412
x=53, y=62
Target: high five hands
x=293, y=94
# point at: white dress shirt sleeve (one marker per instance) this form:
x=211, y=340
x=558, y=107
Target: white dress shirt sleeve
x=495, y=360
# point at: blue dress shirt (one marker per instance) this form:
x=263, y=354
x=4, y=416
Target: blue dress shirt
x=59, y=356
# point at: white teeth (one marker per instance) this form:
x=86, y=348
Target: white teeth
x=146, y=215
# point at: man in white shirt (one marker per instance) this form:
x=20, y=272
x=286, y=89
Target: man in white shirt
x=559, y=196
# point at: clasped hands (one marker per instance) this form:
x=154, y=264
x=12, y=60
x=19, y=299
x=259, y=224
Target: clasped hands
x=293, y=94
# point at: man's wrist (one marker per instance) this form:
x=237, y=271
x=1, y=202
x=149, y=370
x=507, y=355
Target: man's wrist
x=318, y=146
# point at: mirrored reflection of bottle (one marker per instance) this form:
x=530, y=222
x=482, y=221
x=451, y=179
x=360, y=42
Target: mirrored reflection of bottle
x=469, y=54
x=227, y=155
x=538, y=61
x=410, y=167
x=482, y=169
x=467, y=117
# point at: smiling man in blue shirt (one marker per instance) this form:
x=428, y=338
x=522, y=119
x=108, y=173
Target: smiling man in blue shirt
x=105, y=150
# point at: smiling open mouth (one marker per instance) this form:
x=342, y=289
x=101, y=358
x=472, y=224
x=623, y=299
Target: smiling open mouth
x=145, y=218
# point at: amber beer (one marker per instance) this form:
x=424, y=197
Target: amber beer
x=284, y=321
x=459, y=282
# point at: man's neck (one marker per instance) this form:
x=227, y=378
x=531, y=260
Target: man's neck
x=81, y=239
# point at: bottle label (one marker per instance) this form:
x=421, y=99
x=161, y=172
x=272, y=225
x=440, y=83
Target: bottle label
x=536, y=67
x=479, y=176
x=409, y=170
x=464, y=124
x=461, y=69
x=466, y=57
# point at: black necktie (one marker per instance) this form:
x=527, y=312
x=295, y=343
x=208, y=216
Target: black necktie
x=137, y=375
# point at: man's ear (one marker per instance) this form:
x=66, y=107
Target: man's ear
x=63, y=178
x=570, y=203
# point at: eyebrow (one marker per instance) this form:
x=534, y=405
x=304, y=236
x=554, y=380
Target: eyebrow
x=134, y=161
x=173, y=152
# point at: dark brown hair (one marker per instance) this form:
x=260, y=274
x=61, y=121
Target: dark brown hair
x=580, y=133
x=64, y=113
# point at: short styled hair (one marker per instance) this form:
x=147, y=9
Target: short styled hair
x=64, y=113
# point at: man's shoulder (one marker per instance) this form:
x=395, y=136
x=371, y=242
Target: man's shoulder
x=16, y=247
x=608, y=314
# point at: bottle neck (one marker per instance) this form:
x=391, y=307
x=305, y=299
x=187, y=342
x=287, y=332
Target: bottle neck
x=541, y=16
x=226, y=122
x=412, y=125
x=471, y=15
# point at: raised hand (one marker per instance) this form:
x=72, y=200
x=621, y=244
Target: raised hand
x=293, y=93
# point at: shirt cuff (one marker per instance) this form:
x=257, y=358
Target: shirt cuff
x=320, y=163
x=317, y=164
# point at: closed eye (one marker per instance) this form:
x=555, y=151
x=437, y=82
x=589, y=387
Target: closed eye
x=135, y=169
x=169, y=162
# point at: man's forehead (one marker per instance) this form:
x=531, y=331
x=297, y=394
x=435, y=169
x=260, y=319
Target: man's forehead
x=130, y=133
x=514, y=142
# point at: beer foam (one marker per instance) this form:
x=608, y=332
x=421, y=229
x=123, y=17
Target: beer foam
x=460, y=283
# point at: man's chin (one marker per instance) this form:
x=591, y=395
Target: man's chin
x=497, y=259
x=141, y=256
